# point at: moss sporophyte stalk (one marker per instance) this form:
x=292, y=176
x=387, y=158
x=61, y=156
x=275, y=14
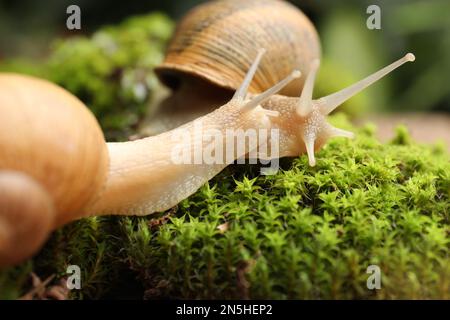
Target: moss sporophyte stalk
x=301, y=233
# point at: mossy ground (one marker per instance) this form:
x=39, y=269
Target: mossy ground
x=301, y=233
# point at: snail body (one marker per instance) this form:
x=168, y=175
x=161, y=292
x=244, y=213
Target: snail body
x=55, y=165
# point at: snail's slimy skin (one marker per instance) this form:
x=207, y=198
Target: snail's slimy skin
x=294, y=128
x=143, y=176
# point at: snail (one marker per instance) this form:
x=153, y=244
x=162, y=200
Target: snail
x=55, y=165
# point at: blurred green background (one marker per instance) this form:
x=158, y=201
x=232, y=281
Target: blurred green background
x=29, y=33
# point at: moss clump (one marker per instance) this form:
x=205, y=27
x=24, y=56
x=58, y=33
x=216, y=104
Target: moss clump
x=301, y=233
x=110, y=71
x=309, y=232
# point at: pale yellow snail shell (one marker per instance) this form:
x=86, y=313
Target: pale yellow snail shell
x=52, y=155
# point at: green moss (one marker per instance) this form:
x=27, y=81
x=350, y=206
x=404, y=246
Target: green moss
x=312, y=232
x=110, y=71
x=88, y=243
x=301, y=233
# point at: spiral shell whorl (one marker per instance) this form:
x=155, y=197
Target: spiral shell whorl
x=49, y=135
x=26, y=216
x=217, y=41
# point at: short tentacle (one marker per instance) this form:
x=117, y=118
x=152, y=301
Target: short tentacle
x=271, y=113
x=309, y=144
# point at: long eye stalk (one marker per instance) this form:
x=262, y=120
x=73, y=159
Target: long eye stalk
x=329, y=103
x=305, y=104
x=241, y=92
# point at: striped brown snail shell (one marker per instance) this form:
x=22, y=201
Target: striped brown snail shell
x=214, y=45
x=217, y=41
